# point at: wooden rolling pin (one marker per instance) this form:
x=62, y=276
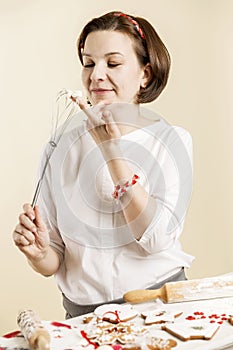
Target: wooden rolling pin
x=33, y=330
x=196, y=289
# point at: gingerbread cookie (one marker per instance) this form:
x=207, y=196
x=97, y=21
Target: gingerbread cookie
x=192, y=330
x=122, y=333
x=106, y=338
x=160, y=316
x=161, y=344
x=126, y=338
x=105, y=347
x=131, y=347
x=87, y=319
x=115, y=313
x=230, y=319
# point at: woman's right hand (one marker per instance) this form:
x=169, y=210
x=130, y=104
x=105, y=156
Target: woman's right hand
x=31, y=235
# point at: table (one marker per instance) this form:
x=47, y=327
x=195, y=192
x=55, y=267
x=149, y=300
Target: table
x=223, y=339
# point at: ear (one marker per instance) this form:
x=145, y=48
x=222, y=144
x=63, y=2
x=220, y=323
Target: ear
x=147, y=73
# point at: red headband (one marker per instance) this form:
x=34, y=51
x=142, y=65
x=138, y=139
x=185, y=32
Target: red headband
x=131, y=20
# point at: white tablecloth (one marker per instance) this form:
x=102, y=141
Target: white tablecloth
x=223, y=339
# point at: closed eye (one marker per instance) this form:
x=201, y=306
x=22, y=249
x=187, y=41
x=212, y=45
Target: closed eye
x=112, y=65
x=89, y=65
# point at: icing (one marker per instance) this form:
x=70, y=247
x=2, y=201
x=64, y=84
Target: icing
x=160, y=316
x=116, y=313
x=192, y=330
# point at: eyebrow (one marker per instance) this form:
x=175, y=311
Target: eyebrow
x=106, y=55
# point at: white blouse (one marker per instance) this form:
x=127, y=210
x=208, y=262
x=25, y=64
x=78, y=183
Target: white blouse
x=100, y=258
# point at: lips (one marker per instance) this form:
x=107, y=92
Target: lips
x=100, y=91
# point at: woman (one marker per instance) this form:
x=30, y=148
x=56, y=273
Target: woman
x=117, y=188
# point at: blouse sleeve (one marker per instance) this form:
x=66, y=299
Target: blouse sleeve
x=172, y=195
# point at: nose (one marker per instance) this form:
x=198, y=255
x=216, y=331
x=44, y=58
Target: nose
x=98, y=72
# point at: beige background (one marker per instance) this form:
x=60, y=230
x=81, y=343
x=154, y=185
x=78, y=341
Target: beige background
x=38, y=58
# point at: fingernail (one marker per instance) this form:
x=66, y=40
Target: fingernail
x=34, y=229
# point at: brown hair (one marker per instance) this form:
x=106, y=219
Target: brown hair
x=148, y=46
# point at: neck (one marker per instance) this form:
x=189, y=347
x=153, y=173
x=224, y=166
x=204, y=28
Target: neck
x=127, y=116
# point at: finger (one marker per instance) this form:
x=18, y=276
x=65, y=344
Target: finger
x=93, y=119
x=28, y=210
x=111, y=125
x=26, y=222
x=90, y=125
x=94, y=114
x=20, y=240
x=107, y=117
x=82, y=104
x=39, y=220
x=28, y=235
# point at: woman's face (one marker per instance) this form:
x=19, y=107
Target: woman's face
x=111, y=70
